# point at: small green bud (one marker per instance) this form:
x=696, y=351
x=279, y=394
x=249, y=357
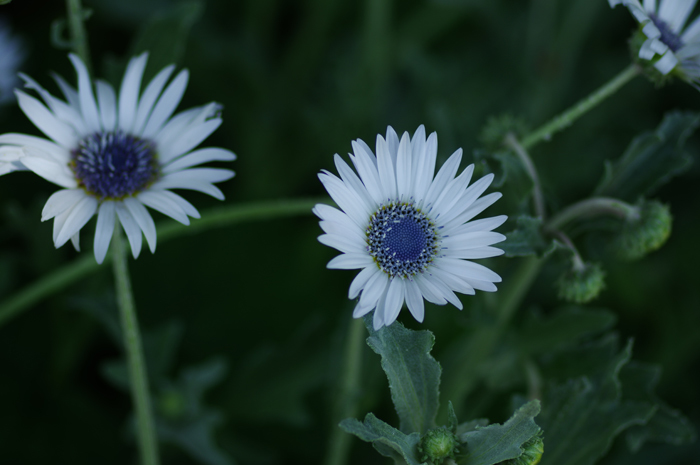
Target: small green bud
x=532, y=452
x=498, y=127
x=646, y=233
x=437, y=445
x=582, y=283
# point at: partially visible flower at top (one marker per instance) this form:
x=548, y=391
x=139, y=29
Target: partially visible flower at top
x=666, y=35
x=406, y=229
x=114, y=156
x=11, y=57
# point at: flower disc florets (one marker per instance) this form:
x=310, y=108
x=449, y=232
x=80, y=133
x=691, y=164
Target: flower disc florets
x=401, y=239
x=114, y=165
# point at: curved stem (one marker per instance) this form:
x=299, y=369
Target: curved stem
x=138, y=379
x=592, y=207
x=559, y=122
x=537, y=197
x=216, y=217
x=348, y=394
x=76, y=16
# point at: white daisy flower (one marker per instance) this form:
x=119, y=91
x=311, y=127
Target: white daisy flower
x=664, y=25
x=408, y=232
x=11, y=57
x=115, y=156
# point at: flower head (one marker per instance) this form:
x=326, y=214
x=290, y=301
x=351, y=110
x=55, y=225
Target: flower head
x=11, y=56
x=666, y=35
x=116, y=155
x=408, y=230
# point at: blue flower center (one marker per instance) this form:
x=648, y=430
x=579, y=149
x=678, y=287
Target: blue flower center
x=401, y=239
x=668, y=37
x=114, y=165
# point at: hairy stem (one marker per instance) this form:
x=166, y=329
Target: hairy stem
x=537, y=197
x=594, y=206
x=76, y=17
x=138, y=378
x=561, y=121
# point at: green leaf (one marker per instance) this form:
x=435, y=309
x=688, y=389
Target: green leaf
x=667, y=425
x=414, y=375
x=565, y=328
x=496, y=443
x=651, y=159
x=388, y=441
x=526, y=239
x=165, y=35
x=582, y=416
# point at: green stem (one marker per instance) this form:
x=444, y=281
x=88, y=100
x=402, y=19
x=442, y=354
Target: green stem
x=592, y=207
x=348, y=394
x=138, y=378
x=217, y=217
x=559, y=122
x=537, y=197
x=76, y=16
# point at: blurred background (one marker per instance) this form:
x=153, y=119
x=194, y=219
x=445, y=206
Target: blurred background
x=244, y=324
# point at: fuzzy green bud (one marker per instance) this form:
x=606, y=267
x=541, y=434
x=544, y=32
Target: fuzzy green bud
x=171, y=404
x=644, y=233
x=437, y=445
x=532, y=452
x=497, y=128
x=582, y=283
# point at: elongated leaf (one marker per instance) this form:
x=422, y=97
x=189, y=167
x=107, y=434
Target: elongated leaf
x=389, y=441
x=496, y=443
x=651, y=159
x=414, y=375
x=582, y=416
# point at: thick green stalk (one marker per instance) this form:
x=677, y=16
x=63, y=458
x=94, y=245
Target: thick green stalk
x=138, y=378
x=524, y=157
x=76, y=16
x=594, y=206
x=216, y=217
x=347, y=395
x=561, y=121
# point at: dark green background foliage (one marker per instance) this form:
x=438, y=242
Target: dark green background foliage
x=245, y=325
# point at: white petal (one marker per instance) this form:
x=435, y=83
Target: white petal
x=107, y=101
x=374, y=289
x=468, y=270
x=75, y=240
x=444, y=291
x=361, y=311
x=452, y=194
x=428, y=289
x=187, y=207
x=144, y=220
x=79, y=215
x=166, y=104
x=361, y=281
x=149, y=97
x=486, y=286
x=366, y=166
x=692, y=32
x=484, y=224
x=425, y=168
x=453, y=282
x=476, y=208
x=62, y=110
x=60, y=201
x=350, y=261
x=46, y=166
x=198, y=179
x=68, y=90
x=347, y=199
x=353, y=233
x=88, y=106
x=46, y=121
x=344, y=243
x=198, y=157
x=394, y=301
x=675, y=13
x=446, y=174
x=666, y=63
x=353, y=182
x=472, y=240
x=160, y=202
x=474, y=254
x=105, y=227
x=385, y=166
x=189, y=139
x=129, y=92
x=650, y=6
x=131, y=228
x=404, y=173
x=414, y=300
x=392, y=143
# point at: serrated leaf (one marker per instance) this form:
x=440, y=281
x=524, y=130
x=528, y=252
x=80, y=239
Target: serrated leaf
x=651, y=159
x=526, y=239
x=639, y=381
x=566, y=327
x=582, y=416
x=495, y=443
x=414, y=375
x=388, y=441
x=165, y=35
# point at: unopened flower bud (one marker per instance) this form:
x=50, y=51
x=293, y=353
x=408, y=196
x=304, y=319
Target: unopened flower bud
x=582, y=283
x=437, y=445
x=532, y=452
x=646, y=233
